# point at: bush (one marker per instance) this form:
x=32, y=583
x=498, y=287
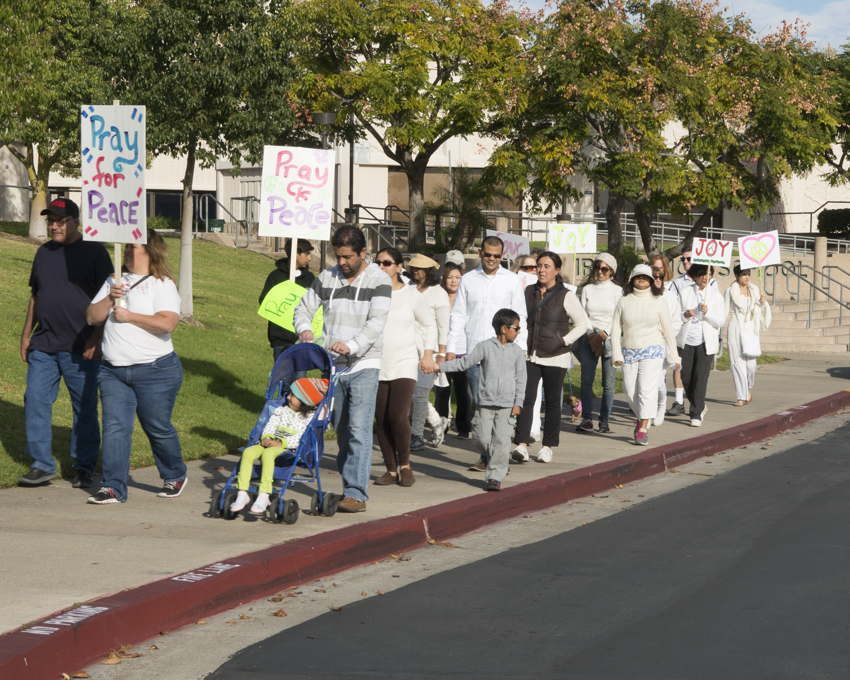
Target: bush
x=160, y=222
x=834, y=223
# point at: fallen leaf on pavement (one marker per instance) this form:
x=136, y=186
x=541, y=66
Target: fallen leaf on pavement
x=231, y=622
x=618, y=486
x=164, y=632
x=81, y=674
x=320, y=590
x=280, y=613
x=446, y=544
x=363, y=594
x=242, y=616
x=555, y=511
x=65, y=676
x=336, y=609
x=380, y=592
x=277, y=598
x=200, y=623
x=152, y=648
x=293, y=587
x=584, y=522
x=526, y=516
x=219, y=467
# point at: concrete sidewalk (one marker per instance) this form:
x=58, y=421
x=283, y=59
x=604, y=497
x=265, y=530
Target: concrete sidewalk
x=59, y=551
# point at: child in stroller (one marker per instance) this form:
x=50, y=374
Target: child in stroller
x=282, y=432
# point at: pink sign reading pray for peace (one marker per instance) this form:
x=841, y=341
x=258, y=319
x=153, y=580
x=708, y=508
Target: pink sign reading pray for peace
x=759, y=250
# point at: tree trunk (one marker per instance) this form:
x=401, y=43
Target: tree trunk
x=644, y=221
x=184, y=286
x=416, y=201
x=612, y=220
x=38, y=180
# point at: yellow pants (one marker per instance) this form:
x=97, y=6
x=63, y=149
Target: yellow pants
x=267, y=456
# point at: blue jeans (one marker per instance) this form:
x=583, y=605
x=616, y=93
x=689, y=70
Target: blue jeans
x=354, y=411
x=43, y=373
x=588, y=372
x=149, y=391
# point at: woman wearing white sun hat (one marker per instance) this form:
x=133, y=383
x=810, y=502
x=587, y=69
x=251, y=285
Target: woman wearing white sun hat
x=643, y=320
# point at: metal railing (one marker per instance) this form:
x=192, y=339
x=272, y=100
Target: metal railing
x=789, y=271
x=202, y=213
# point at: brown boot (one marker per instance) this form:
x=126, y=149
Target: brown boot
x=347, y=504
x=386, y=479
x=407, y=478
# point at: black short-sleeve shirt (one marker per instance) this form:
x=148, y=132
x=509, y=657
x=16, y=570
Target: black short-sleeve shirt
x=64, y=280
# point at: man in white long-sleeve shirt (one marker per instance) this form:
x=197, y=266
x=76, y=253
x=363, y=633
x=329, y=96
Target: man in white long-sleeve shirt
x=483, y=292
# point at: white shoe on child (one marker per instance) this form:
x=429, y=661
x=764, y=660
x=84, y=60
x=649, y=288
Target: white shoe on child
x=242, y=499
x=260, y=504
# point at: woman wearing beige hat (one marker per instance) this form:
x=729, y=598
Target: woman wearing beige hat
x=426, y=274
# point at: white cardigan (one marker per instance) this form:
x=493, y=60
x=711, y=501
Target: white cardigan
x=409, y=311
x=712, y=321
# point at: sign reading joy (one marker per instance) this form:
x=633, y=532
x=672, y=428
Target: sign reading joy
x=514, y=245
x=759, y=250
x=712, y=251
x=572, y=238
x=297, y=193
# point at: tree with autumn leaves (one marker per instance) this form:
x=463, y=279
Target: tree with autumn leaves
x=669, y=106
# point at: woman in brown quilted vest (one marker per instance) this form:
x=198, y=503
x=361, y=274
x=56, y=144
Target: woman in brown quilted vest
x=552, y=311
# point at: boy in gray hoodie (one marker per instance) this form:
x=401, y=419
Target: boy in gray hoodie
x=501, y=391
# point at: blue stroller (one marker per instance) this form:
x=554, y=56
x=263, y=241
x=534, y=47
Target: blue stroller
x=300, y=357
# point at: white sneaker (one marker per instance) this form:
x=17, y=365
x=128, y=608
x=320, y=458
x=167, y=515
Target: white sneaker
x=520, y=454
x=242, y=499
x=659, y=416
x=260, y=504
x=544, y=455
x=695, y=422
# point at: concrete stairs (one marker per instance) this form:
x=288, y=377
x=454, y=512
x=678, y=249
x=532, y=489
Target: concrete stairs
x=790, y=332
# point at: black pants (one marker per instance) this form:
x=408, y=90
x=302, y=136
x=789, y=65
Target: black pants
x=443, y=401
x=696, y=367
x=553, y=389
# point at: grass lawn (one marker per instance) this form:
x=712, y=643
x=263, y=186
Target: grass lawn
x=226, y=362
x=723, y=362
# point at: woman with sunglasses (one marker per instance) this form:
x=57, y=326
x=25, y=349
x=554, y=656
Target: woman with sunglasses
x=552, y=308
x=662, y=278
x=400, y=366
x=643, y=320
x=599, y=299
x=426, y=274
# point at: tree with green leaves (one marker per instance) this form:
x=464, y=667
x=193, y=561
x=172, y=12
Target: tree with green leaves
x=413, y=74
x=668, y=106
x=837, y=158
x=48, y=71
x=215, y=79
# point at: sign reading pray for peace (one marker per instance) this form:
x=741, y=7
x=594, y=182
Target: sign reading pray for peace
x=712, y=251
x=297, y=192
x=572, y=238
x=279, y=307
x=759, y=250
x=112, y=142
x=514, y=245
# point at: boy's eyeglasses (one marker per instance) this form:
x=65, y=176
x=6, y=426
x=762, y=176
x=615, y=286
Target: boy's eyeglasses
x=384, y=263
x=514, y=328
x=529, y=268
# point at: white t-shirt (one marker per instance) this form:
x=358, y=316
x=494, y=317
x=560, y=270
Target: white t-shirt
x=125, y=344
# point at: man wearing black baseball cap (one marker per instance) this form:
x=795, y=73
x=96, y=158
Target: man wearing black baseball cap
x=56, y=342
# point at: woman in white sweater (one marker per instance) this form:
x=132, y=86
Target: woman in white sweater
x=662, y=277
x=599, y=300
x=643, y=320
x=400, y=366
x=425, y=272
x=750, y=315
x=703, y=315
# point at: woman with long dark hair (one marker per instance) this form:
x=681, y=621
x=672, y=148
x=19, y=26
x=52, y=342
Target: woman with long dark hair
x=445, y=380
x=643, y=321
x=400, y=366
x=140, y=374
x=555, y=321
x=750, y=315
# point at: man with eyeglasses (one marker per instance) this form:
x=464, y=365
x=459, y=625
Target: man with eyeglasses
x=67, y=272
x=482, y=292
x=676, y=285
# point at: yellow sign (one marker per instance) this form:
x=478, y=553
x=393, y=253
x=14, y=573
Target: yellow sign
x=280, y=303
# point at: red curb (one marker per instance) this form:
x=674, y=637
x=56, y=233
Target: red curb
x=71, y=640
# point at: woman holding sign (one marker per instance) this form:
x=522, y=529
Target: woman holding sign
x=141, y=374
x=750, y=315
